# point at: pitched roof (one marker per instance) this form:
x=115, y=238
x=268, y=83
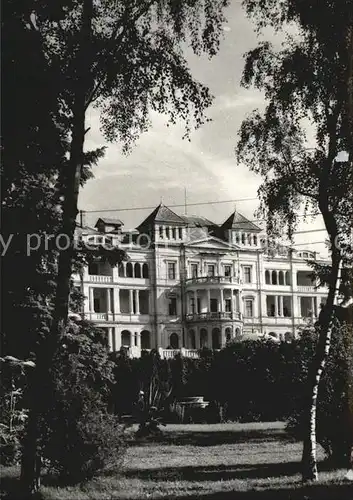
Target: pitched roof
x=238, y=221
x=110, y=222
x=162, y=214
x=197, y=221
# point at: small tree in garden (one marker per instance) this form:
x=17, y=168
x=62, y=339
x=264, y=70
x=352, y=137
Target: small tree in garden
x=156, y=390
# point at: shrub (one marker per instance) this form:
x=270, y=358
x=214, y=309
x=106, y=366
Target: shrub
x=334, y=416
x=80, y=436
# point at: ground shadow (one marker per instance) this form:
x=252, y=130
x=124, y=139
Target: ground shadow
x=221, y=472
x=212, y=438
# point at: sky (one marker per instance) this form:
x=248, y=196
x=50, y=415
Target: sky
x=162, y=166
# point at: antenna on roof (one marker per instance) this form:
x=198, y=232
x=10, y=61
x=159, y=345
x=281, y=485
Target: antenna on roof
x=161, y=200
x=185, y=203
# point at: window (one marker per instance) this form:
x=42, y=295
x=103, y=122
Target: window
x=167, y=232
x=247, y=274
x=160, y=231
x=227, y=271
x=171, y=270
x=255, y=240
x=228, y=305
x=174, y=233
x=100, y=239
x=192, y=305
x=180, y=233
x=210, y=270
x=93, y=268
x=249, y=309
x=172, y=306
x=194, y=270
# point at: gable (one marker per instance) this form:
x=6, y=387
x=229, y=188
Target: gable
x=211, y=243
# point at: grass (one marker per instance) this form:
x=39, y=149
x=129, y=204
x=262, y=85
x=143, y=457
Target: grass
x=215, y=462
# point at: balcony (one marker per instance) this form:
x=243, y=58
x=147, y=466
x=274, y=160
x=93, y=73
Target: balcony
x=214, y=280
x=214, y=316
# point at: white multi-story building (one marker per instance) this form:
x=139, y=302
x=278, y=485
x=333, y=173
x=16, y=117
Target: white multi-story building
x=189, y=283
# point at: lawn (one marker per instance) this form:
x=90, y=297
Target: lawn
x=225, y=462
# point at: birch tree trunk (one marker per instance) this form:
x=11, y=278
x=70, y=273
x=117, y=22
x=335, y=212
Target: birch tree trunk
x=309, y=462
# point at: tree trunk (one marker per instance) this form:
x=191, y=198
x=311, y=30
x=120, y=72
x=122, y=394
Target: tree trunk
x=309, y=463
x=30, y=466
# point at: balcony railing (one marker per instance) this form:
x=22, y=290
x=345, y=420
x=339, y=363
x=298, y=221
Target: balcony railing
x=214, y=316
x=97, y=278
x=214, y=279
x=306, y=288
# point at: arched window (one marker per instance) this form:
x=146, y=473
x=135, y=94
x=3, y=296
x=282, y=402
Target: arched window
x=203, y=337
x=280, y=278
x=192, y=339
x=237, y=333
x=287, y=278
x=145, y=271
x=129, y=270
x=125, y=338
x=174, y=341
x=216, y=338
x=228, y=333
x=137, y=269
x=274, y=277
x=145, y=339
x=267, y=277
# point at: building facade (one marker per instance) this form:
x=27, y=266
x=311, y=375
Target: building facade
x=189, y=283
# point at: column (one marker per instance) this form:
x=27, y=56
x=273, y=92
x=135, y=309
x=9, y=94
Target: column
x=137, y=301
x=116, y=300
x=110, y=339
x=313, y=314
x=299, y=307
x=195, y=302
x=109, y=301
x=131, y=301
x=124, y=266
x=232, y=303
x=139, y=340
x=91, y=298
x=117, y=335
x=222, y=299
x=209, y=300
x=276, y=305
x=280, y=305
x=277, y=274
